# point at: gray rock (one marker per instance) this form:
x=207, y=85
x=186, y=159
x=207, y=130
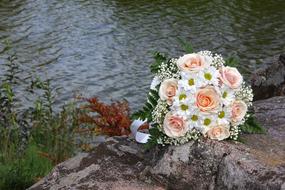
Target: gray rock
x=269, y=80
x=120, y=163
x=257, y=164
x=115, y=164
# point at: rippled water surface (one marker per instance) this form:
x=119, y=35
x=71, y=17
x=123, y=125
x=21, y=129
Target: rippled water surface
x=104, y=47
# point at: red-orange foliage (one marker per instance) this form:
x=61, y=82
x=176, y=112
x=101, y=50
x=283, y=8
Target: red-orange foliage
x=112, y=120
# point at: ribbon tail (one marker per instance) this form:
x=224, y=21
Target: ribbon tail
x=139, y=136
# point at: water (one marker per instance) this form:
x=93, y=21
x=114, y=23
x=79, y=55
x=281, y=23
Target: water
x=104, y=47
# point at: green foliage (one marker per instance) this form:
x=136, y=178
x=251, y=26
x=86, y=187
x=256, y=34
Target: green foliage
x=146, y=112
x=188, y=48
x=240, y=139
x=159, y=58
x=24, y=172
x=232, y=62
x=10, y=119
x=251, y=126
x=154, y=135
x=32, y=140
x=55, y=134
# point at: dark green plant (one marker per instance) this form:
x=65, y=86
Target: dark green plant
x=146, y=112
x=32, y=140
x=251, y=126
x=22, y=173
x=154, y=135
x=187, y=47
x=56, y=135
x=159, y=58
x=10, y=130
x=232, y=62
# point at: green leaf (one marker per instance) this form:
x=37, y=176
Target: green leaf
x=154, y=93
x=251, y=126
x=148, y=105
x=9, y=91
x=146, y=112
x=159, y=58
x=232, y=62
x=241, y=140
x=154, y=135
x=188, y=48
x=152, y=100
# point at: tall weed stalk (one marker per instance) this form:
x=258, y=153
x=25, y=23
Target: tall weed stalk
x=32, y=140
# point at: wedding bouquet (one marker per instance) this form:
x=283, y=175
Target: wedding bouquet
x=197, y=95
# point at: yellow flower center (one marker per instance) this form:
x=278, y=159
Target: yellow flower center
x=191, y=82
x=194, y=118
x=221, y=114
x=182, y=96
x=184, y=107
x=225, y=94
x=208, y=76
x=207, y=121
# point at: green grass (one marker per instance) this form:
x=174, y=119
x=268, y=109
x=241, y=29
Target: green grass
x=24, y=172
x=32, y=140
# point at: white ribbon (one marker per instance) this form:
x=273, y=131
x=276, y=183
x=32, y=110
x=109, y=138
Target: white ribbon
x=139, y=136
x=155, y=81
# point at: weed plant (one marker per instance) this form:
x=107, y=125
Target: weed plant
x=34, y=139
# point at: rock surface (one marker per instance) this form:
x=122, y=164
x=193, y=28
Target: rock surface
x=269, y=80
x=115, y=164
x=120, y=163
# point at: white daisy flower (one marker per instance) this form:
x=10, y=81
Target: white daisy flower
x=190, y=82
x=210, y=76
x=206, y=122
x=188, y=85
x=182, y=96
x=194, y=119
x=181, y=105
x=224, y=116
x=227, y=95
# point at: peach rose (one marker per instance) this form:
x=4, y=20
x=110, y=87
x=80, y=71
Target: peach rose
x=231, y=77
x=219, y=132
x=239, y=109
x=168, y=90
x=207, y=99
x=193, y=62
x=174, y=126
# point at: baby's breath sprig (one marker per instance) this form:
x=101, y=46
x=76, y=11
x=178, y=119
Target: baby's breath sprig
x=191, y=135
x=234, y=132
x=217, y=59
x=160, y=111
x=245, y=93
x=168, y=70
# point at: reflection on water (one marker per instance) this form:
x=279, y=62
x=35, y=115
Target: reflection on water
x=103, y=47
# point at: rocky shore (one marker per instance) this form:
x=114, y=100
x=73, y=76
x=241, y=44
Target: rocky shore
x=256, y=164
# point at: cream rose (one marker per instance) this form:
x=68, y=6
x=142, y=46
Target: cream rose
x=207, y=99
x=168, y=90
x=193, y=62
x=239, y=109
x=231, y=77
x=219, y=132
x=174, y=126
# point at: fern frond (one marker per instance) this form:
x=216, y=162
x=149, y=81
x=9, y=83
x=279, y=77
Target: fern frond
x=146, y=112
x=188, y=48
x=232, y=62
x=251, y=126
x=154, y=135
x=159, y=58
